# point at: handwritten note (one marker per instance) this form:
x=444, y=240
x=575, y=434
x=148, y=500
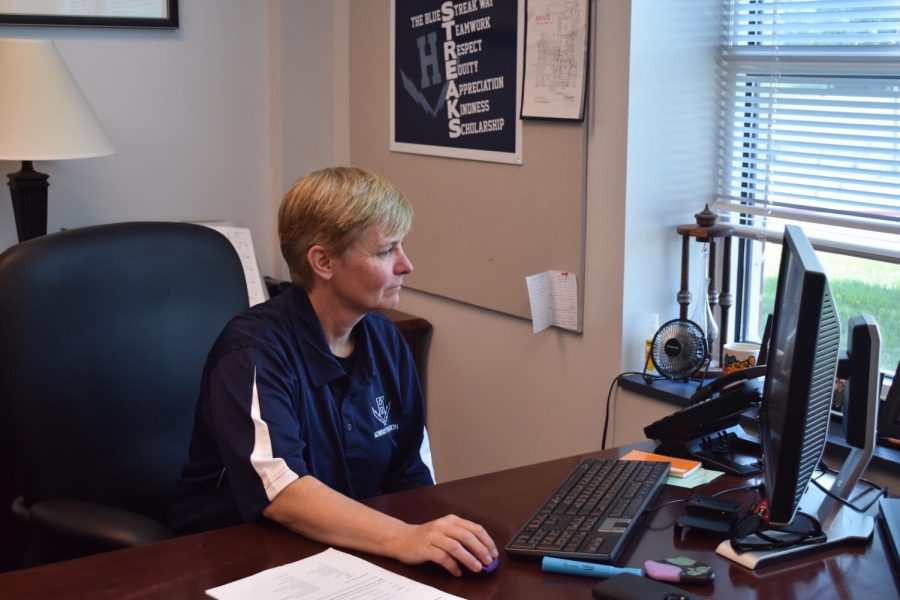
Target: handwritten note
x=554, y=300
x=328, y=575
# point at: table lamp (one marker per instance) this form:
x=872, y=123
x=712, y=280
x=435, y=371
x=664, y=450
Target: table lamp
x=43, y=116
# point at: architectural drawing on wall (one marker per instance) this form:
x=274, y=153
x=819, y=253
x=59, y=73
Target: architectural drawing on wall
x=556, y=46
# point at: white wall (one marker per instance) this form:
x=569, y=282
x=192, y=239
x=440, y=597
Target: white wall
x=671, y=154
x=313, y=121
x=670, y=175
x=188, y=112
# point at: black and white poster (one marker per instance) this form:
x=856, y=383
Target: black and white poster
x=456, y=68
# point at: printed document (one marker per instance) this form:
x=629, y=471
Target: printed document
x=325, y=576
x=243, y=244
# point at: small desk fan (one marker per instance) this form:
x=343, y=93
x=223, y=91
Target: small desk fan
x=679, y=349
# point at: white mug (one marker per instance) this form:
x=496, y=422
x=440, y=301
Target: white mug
x=739, y=355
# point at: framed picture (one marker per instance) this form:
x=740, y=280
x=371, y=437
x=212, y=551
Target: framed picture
x=455, y=74
x=108, y=13
x=557, y=40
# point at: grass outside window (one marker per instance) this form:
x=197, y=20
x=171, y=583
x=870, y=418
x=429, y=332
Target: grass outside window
x=859, y=286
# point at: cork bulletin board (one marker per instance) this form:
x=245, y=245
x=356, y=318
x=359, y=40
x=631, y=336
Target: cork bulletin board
x=480, y=227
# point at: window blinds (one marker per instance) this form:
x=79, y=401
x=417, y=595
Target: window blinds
x=810, y=122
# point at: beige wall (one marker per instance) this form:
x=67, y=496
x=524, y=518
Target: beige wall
x=500, y=395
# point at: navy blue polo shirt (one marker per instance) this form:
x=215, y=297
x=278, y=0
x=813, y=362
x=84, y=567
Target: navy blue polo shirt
x=276, y=404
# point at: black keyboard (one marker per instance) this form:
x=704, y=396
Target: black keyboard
x=594, y=513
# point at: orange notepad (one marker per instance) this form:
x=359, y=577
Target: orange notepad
x=681, y=467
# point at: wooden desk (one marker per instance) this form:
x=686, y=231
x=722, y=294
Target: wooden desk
x=186, y=567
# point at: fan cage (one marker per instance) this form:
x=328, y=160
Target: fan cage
x=679, y=349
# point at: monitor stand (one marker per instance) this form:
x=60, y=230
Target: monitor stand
x=840, y=523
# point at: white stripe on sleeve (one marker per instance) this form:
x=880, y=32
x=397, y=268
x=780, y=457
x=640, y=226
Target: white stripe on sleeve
x=425, y=454
x=273, y=472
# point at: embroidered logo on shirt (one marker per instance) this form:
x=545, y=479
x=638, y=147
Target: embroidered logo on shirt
x=382, y=413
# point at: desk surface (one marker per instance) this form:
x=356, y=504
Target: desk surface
x=186, y=567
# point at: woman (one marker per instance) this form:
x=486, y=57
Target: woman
x=310, y=401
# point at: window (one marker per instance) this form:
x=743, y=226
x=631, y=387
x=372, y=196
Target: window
x=810, y=134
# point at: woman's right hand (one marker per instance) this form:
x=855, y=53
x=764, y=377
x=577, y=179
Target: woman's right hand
x=448, y=541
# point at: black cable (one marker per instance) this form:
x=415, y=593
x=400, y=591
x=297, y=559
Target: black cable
x=609, y=396
x=848, y=503
x=829, y=469
x=705, y=372
x=741, y=488
x=665, y=504
x=719, y=493
x=754, y=525
x=776, y=538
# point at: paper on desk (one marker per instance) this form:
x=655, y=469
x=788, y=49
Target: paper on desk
x=329, y=574
x=700, y=477
x=554, y=300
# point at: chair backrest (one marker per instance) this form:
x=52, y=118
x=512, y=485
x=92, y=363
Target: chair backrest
x=104, y=331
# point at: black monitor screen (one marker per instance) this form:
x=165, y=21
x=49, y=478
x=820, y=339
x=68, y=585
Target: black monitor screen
x=799, y=376
x=889, y=412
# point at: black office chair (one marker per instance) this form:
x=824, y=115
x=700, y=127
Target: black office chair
x=104, y=331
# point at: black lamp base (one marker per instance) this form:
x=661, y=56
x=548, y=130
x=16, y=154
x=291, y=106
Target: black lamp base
x=28, y=189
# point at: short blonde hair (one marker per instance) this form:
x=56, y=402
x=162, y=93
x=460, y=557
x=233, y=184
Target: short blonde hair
x=332, y=207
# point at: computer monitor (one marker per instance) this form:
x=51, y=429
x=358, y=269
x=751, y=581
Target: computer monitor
x=796, y=408
x=889, y=413
x=799, y=384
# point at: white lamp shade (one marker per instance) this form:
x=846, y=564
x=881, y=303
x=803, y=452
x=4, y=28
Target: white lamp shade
x=43, y=113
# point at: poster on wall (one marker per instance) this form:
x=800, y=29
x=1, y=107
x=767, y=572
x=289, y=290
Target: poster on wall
x=455, y=73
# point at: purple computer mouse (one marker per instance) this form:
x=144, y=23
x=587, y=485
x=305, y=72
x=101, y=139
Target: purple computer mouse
x=486, y=570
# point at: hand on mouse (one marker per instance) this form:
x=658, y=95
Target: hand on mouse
x=450, y=541
x=486, y=570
